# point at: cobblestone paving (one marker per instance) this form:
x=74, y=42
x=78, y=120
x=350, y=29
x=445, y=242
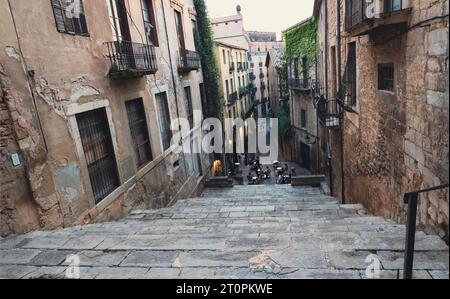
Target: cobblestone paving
x=242, y=232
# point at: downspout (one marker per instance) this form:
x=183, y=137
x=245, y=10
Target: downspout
x=339, y=84
x=329, y=148
x=30, y=79
x=173, y=80
x=317, y=111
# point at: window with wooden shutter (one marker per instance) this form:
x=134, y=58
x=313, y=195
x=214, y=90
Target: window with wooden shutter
x=70, y=17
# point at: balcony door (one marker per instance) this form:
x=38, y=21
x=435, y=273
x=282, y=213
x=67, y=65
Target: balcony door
x=119, y=20
x=180, y=34
x=122, y=36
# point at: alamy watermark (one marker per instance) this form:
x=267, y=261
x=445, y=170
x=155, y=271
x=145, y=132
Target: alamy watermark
x=373, y=271
x=73, y=270
x=230, y=136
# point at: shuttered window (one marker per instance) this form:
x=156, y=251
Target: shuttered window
x=70, y=17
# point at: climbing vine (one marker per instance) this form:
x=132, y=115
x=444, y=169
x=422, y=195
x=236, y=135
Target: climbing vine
x=205, y=46
x=300, y=41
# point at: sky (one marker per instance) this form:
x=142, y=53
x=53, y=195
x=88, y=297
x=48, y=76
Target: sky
x=264, y=15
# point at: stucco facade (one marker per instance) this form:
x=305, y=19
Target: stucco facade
x=234, y=80
x=50, y=78
x=396, y=138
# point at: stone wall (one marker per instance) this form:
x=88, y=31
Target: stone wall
x=397, y=142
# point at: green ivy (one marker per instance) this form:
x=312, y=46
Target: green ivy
x=284, y=120
x=300, y=41
x=205, y=45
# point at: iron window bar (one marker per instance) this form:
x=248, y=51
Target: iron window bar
x=411, y=200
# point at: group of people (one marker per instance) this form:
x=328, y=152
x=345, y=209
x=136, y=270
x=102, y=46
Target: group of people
x=284, y=176
x=258, y=174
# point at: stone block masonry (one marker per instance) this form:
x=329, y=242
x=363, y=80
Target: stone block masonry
x=397, y=142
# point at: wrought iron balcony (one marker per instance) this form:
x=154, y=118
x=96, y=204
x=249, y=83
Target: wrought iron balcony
x=242, y=92
x=299, y=84
x=261, y=76
x=252, y=76
x=188, y=61
x=131, y=60
x=232, y=67
x=359, y=22
x=232, y=98
x=240, y=67
x=328, y=112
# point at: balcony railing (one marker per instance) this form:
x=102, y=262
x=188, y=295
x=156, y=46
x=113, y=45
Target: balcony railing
x=232, y=98
x=328, y=112
x=252, y=77
x=359, y=22
x=232, y=67
x=262, y=86
x=130, y=60
x=240, y=67
x=188, y=61
x=261, y=76
x=300, y=84
x=242, y=92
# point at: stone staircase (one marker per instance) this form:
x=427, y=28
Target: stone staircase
x=268, y=231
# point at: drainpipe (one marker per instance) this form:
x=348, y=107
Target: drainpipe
x=173, y=79
x=329, y=148
x=339, y=84
x=317, y=111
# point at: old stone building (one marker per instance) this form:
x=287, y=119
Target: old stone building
x=276, y=67
x=308, y=143
x=233, y=62
x=392, y=92
x=230, y=30
x=87, y=95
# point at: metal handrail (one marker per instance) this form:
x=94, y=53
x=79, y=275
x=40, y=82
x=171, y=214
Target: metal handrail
x=411, y=199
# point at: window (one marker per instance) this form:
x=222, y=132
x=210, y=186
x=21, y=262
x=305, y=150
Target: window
x=392, y=5
x=98, y=151
x=188, y=105
x=180, y=31
x=296, y=72
x=119, y=20
x=227, y=87
x=139, y=131
x=149, y=22
x=224, y=57
x=386, y=76
x=333, y=72
x=164, y=119
x=303, y=118
x=350, y=75
x=194, y=29
x=305, y=68
x=70, y=17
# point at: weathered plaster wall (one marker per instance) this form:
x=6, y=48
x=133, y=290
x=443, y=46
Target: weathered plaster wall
x=68, y=74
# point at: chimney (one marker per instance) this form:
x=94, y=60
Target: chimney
x=238, y=8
